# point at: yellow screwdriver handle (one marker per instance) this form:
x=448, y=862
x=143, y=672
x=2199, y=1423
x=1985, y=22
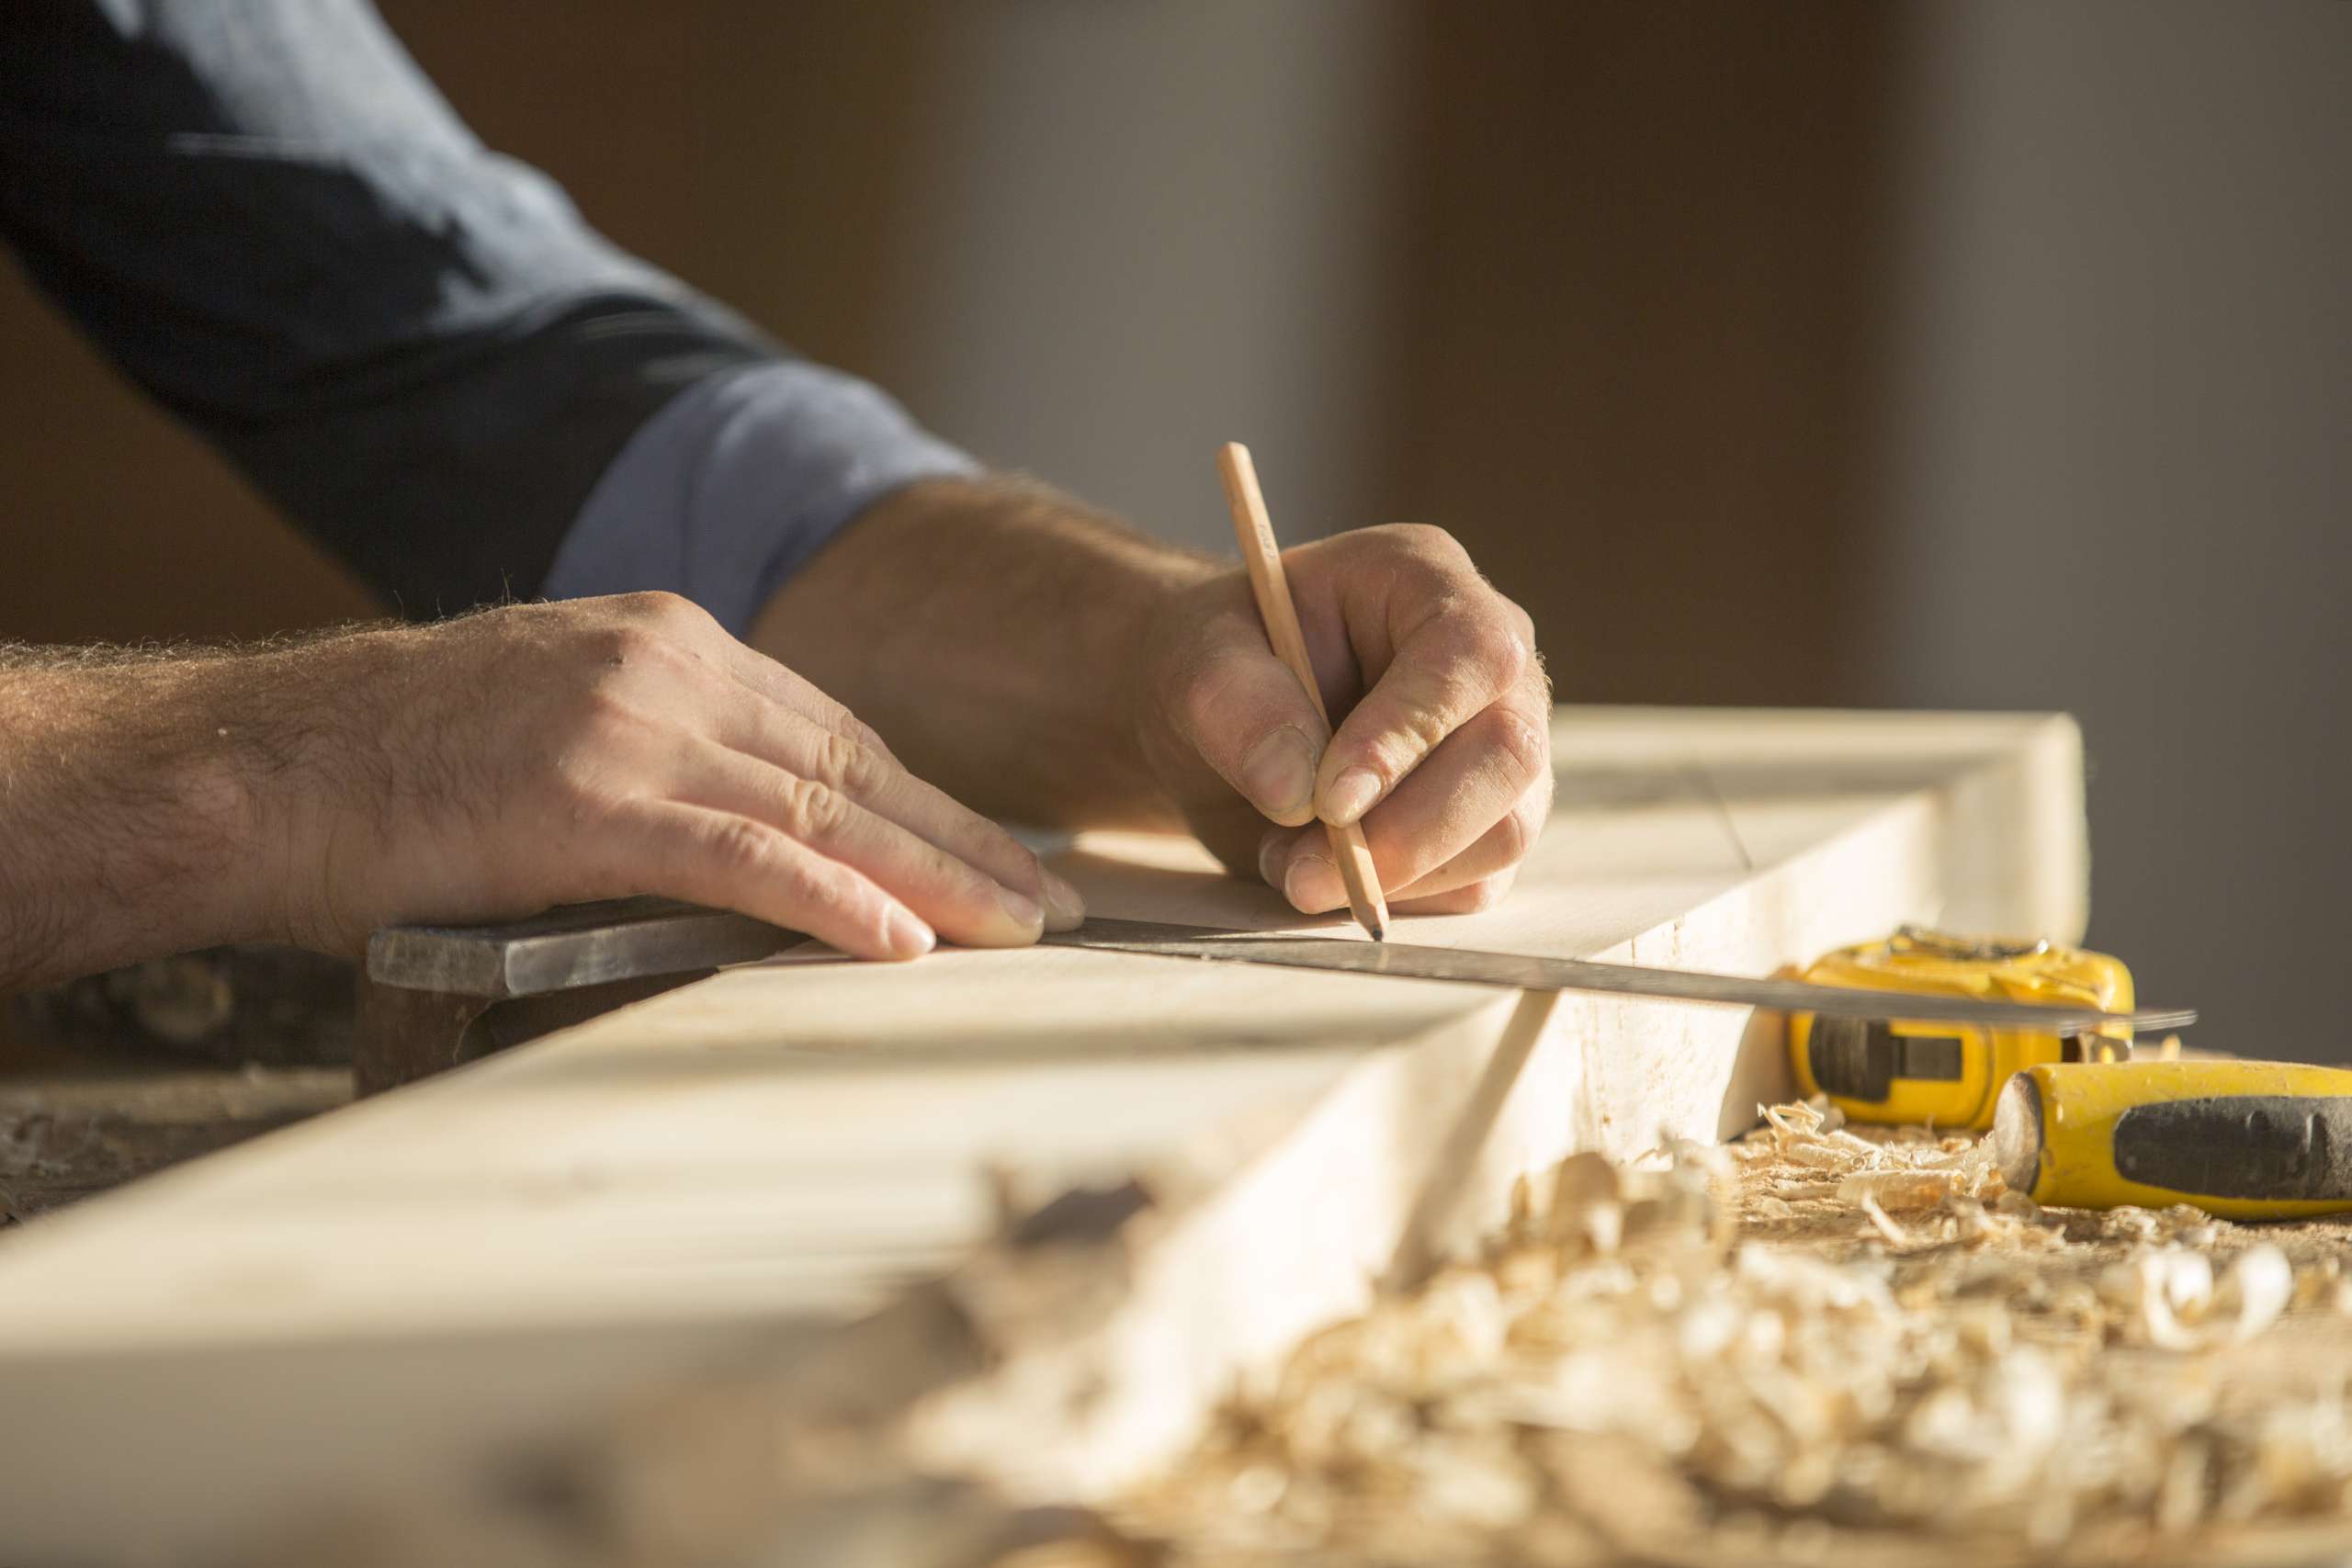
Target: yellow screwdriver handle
x=2241, y=1140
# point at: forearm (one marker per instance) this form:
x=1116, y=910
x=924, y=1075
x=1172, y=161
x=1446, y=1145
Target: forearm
x=991, y=631
x=268, y=219
x=128, y=820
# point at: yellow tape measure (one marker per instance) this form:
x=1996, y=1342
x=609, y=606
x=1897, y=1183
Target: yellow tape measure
x=1949, y=1074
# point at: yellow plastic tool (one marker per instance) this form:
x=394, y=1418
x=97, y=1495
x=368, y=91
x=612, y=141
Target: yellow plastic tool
x=2243, y=1140
x=1949, y=1074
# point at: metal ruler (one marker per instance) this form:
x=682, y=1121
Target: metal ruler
x=1526, y=972
x=428, y=986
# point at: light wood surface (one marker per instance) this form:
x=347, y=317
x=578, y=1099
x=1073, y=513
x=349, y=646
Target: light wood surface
x=1253, y=530
x=758, y=1166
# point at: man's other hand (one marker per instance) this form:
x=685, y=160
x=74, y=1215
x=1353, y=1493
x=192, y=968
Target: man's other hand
x=540, y=754
x=1444, y=753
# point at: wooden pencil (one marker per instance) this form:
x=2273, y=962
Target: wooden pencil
x=1255, y=532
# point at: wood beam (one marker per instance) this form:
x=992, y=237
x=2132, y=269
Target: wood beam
x=825, y=1165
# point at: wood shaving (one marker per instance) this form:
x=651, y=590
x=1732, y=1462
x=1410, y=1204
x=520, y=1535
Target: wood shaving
x=1821, y=1340
x=1897, y=1188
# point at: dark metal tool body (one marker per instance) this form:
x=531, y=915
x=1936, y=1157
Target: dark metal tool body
x=429, y=992
x=433, y=997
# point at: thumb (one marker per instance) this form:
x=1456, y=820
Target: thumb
x=1242, y=710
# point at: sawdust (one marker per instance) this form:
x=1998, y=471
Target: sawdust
x=1819, y=1343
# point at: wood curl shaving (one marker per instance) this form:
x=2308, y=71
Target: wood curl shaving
x=1820, y=1340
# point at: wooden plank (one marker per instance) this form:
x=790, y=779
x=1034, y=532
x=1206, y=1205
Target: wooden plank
x=759, y=1164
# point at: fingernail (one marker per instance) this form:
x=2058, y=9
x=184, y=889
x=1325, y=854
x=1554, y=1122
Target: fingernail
x=1352, y=795
x=910, y=938
x=1065, y=910
x=1024, y=910
x=1314, y=885
x=1278, y=774
x=1269, y=856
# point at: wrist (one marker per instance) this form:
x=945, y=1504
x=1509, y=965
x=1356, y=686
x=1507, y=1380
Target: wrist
x=200, y=807
x=1154, y=667
x=253, y=777
x=994, y=632
x=325, y=764
x=130, y=819
x=1128, y=600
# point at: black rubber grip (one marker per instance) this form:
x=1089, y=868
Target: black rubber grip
x=2281, y=1146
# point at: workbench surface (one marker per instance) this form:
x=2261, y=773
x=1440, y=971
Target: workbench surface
x=772, y=1164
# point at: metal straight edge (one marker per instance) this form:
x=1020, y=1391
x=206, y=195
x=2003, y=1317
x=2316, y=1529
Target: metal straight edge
x=565, y=948
x=586, y=944
x=1528, y=973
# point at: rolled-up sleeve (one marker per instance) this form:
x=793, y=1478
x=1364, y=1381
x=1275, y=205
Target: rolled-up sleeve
x=263, y=212
x=730, y=487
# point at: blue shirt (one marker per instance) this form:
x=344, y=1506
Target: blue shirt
x=269, y=218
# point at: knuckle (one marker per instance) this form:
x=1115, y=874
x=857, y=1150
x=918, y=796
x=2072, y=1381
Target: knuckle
x=739, y=844
x=1427, y=728
x=1520, y=741
x=1423, y=542
x=811, y=809
x=1409, y=729
x=1029, y=871
x=866, y=772
x=665, y=611
x=1448, y=687
x=1510, y=837
x=1538, y=677
x=820, y=899
x=846, y=764
x=649, y=628
x=1496, y=651
x=1520, y=621
x=614, y=646
x=1534, y=810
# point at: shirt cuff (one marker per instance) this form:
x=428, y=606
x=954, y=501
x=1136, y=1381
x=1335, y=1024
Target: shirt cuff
x=736, y=482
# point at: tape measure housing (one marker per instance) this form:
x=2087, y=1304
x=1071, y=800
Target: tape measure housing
x=1941, y=1074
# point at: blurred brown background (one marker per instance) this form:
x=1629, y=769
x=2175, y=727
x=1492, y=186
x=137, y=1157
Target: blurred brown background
x=1931, y=355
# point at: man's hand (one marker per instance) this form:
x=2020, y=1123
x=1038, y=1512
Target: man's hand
x=548, y=753
x=1037, y=659
x=1046, y=664
x=482, y=767
x=1444, y=753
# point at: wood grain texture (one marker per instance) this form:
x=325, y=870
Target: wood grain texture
x=770, y=1164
